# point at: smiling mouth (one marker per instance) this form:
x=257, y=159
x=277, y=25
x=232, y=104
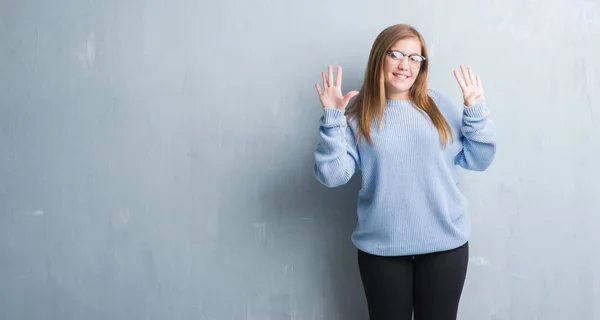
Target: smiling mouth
x=400, y=76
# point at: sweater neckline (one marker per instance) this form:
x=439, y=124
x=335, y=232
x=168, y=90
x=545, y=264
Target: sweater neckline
x=395, y=103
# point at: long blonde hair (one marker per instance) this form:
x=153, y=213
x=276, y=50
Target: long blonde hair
x=371, y=100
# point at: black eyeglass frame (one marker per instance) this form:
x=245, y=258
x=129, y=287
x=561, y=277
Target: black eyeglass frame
x=402, y=55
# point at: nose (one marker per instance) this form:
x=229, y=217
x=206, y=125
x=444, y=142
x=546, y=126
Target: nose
x=403, y=65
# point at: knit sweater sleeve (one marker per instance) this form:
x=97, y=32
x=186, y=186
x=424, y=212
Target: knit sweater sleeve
x=336, y=154
x=479, y=138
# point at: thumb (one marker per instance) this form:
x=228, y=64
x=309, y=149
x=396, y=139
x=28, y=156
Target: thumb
x=350, y=95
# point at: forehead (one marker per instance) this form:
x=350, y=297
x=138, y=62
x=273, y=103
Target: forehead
x=408, y=45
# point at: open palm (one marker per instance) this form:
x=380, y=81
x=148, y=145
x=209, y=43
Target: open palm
x=470, y=86
x=331, y=96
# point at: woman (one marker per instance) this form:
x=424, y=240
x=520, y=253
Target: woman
x=407, y=140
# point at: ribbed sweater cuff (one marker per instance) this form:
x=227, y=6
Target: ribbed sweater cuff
x=477, y=110
x=333, y=118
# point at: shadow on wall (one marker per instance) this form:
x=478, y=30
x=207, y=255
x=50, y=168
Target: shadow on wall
x=283, y=248
x=314, y=234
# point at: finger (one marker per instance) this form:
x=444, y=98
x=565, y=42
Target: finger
x=318, y=88
x=349, y=96
x=324, y=80
x=479, y=82
x=461, y=82
x=330, y=78
x=338, y=81
x=472, y=76
x=465, y=74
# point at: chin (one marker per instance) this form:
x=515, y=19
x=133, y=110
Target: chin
x=401, y=90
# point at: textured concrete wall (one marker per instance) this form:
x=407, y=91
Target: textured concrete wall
x=156, y=157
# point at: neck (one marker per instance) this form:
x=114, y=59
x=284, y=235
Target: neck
x=397, y=95
x=405, y=98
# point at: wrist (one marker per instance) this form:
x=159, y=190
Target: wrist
x=476, y=109
x=333, y=117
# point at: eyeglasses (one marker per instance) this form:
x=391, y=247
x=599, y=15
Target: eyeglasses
x=414, y=60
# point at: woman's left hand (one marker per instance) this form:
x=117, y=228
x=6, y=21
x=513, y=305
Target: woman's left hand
x=470, y=86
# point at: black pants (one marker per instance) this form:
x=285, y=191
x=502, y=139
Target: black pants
x=431, y=284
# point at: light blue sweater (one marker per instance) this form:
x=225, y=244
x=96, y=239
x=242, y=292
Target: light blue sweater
x=409, y=202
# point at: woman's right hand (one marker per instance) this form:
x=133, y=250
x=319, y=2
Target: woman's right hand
x=331, y=95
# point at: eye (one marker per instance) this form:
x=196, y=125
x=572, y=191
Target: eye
x=397, y=54
x=416, y=58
